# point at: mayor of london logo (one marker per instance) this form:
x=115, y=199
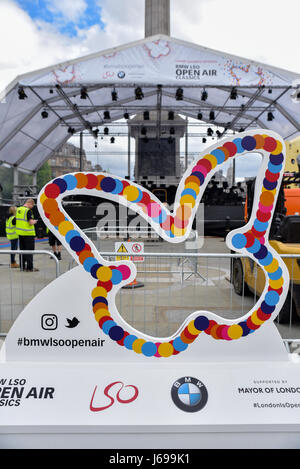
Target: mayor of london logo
x=189, y=394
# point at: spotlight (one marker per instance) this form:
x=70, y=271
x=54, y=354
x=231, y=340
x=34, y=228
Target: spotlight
x=83, y=93
x=71, y=130
x=146, y=116
x=172, y=131
x=210, y=132
x=112, y=140
x=199, y=116
x=242, y=129
x=211, y=116
x=204, y=95
x=270, y=116
x=138, y=93
x=218, y=133
x=114, y=95
x=143, y=131
x=106, y=130
x=21, y=93
x=126, y=115
x=270, y=90
x=44, y=114
x=106, y=115
x=233, y=93
x=179, y=94
x=171, y=115
x=204, y=140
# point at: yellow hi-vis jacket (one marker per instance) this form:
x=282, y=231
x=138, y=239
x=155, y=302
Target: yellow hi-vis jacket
x=23, y=227
x=10, y=229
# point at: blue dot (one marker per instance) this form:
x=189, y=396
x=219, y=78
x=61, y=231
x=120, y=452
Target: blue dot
x=267, y=309
x=116, y=333
x=108, y=184
x=269, y=185
x=71, y=181
x=71, y=235
x=100, y=299
x=201, y=323
x=116, y=276
x=272, y=298
x=149, y=349
x=139, y=197
x=88, y=263
x=118, y=188
x=128, y=341
x=274, y=168
x=219, y=154
x=249, y=143
x=239, y=241
x=238, y=143
x=260, y=226
x=179, y=345
x=276, y=159
x=170, y=234
x=77, y=243
x=262, y=253
x=189, y=192
x=107, y=325
x=276, y=275
x=245, y=328
x=267, y=260
x=199, y=175
x=94, y=269
x=255, y=247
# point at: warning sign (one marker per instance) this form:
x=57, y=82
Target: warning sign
x=135, y=251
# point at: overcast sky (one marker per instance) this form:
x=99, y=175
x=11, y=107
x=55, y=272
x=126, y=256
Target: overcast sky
x=38, y=33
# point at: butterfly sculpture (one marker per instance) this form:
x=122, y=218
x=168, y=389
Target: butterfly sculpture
x=250, y=240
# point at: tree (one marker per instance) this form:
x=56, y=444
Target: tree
x=44, y=175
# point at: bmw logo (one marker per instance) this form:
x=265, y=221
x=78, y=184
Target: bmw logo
x=121, y=74
x=189, y=394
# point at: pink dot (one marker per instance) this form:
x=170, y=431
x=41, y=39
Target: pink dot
x=262, y=240
x=154, y=210
x=200, y=168
x=125, y=271
x=224, y=334
x=265, y=209
x=157, y=345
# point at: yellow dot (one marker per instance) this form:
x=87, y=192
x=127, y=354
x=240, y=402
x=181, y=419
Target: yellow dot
x=193, y=186
x=137, y=345
x=64, y=227
x=266, y=190
x=100, y=291
x=166, y=350
x=278, y=149
x=43, y=198
x=187, y=199
x=104, y=274
x=235, y=331
x=212, y=159
x=97, y=291
x=273, y=266
x=178, y=231
x=255, y=319
x=192, y=329
x=276, y=284
x=100, y=313
x=131, y=193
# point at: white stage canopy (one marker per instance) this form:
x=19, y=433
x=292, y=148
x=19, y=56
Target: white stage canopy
x=40, y=111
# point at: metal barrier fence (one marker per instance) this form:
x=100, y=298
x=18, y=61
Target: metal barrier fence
x=17, y=288
x=171, y=286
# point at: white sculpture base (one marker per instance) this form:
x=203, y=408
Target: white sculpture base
x=58, y=392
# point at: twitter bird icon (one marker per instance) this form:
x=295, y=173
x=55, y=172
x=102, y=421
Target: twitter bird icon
x=72, y=322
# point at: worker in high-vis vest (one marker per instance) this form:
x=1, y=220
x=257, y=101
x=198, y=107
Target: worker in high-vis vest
x=25, y=230
x=10, y=229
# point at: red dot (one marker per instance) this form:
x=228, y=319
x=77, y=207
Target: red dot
x=250, y=239
x=272, y=177
x=262, y=316
x=107, y=285
x=52, y=191
x=92, y=181
x=188, y=335
x=205, y=163
x=270, y=144
x=251, y=324
x=231, y=147
x=87, y=247
x=166, y=225
x=211, y=324
x=261, y=216
x=257, y=234
x=125, y=184
x=103, y=320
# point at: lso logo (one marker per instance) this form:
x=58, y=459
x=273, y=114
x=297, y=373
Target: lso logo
x=189, y=394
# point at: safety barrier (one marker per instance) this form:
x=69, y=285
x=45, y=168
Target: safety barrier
x=174, y=285
x=17, y=287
